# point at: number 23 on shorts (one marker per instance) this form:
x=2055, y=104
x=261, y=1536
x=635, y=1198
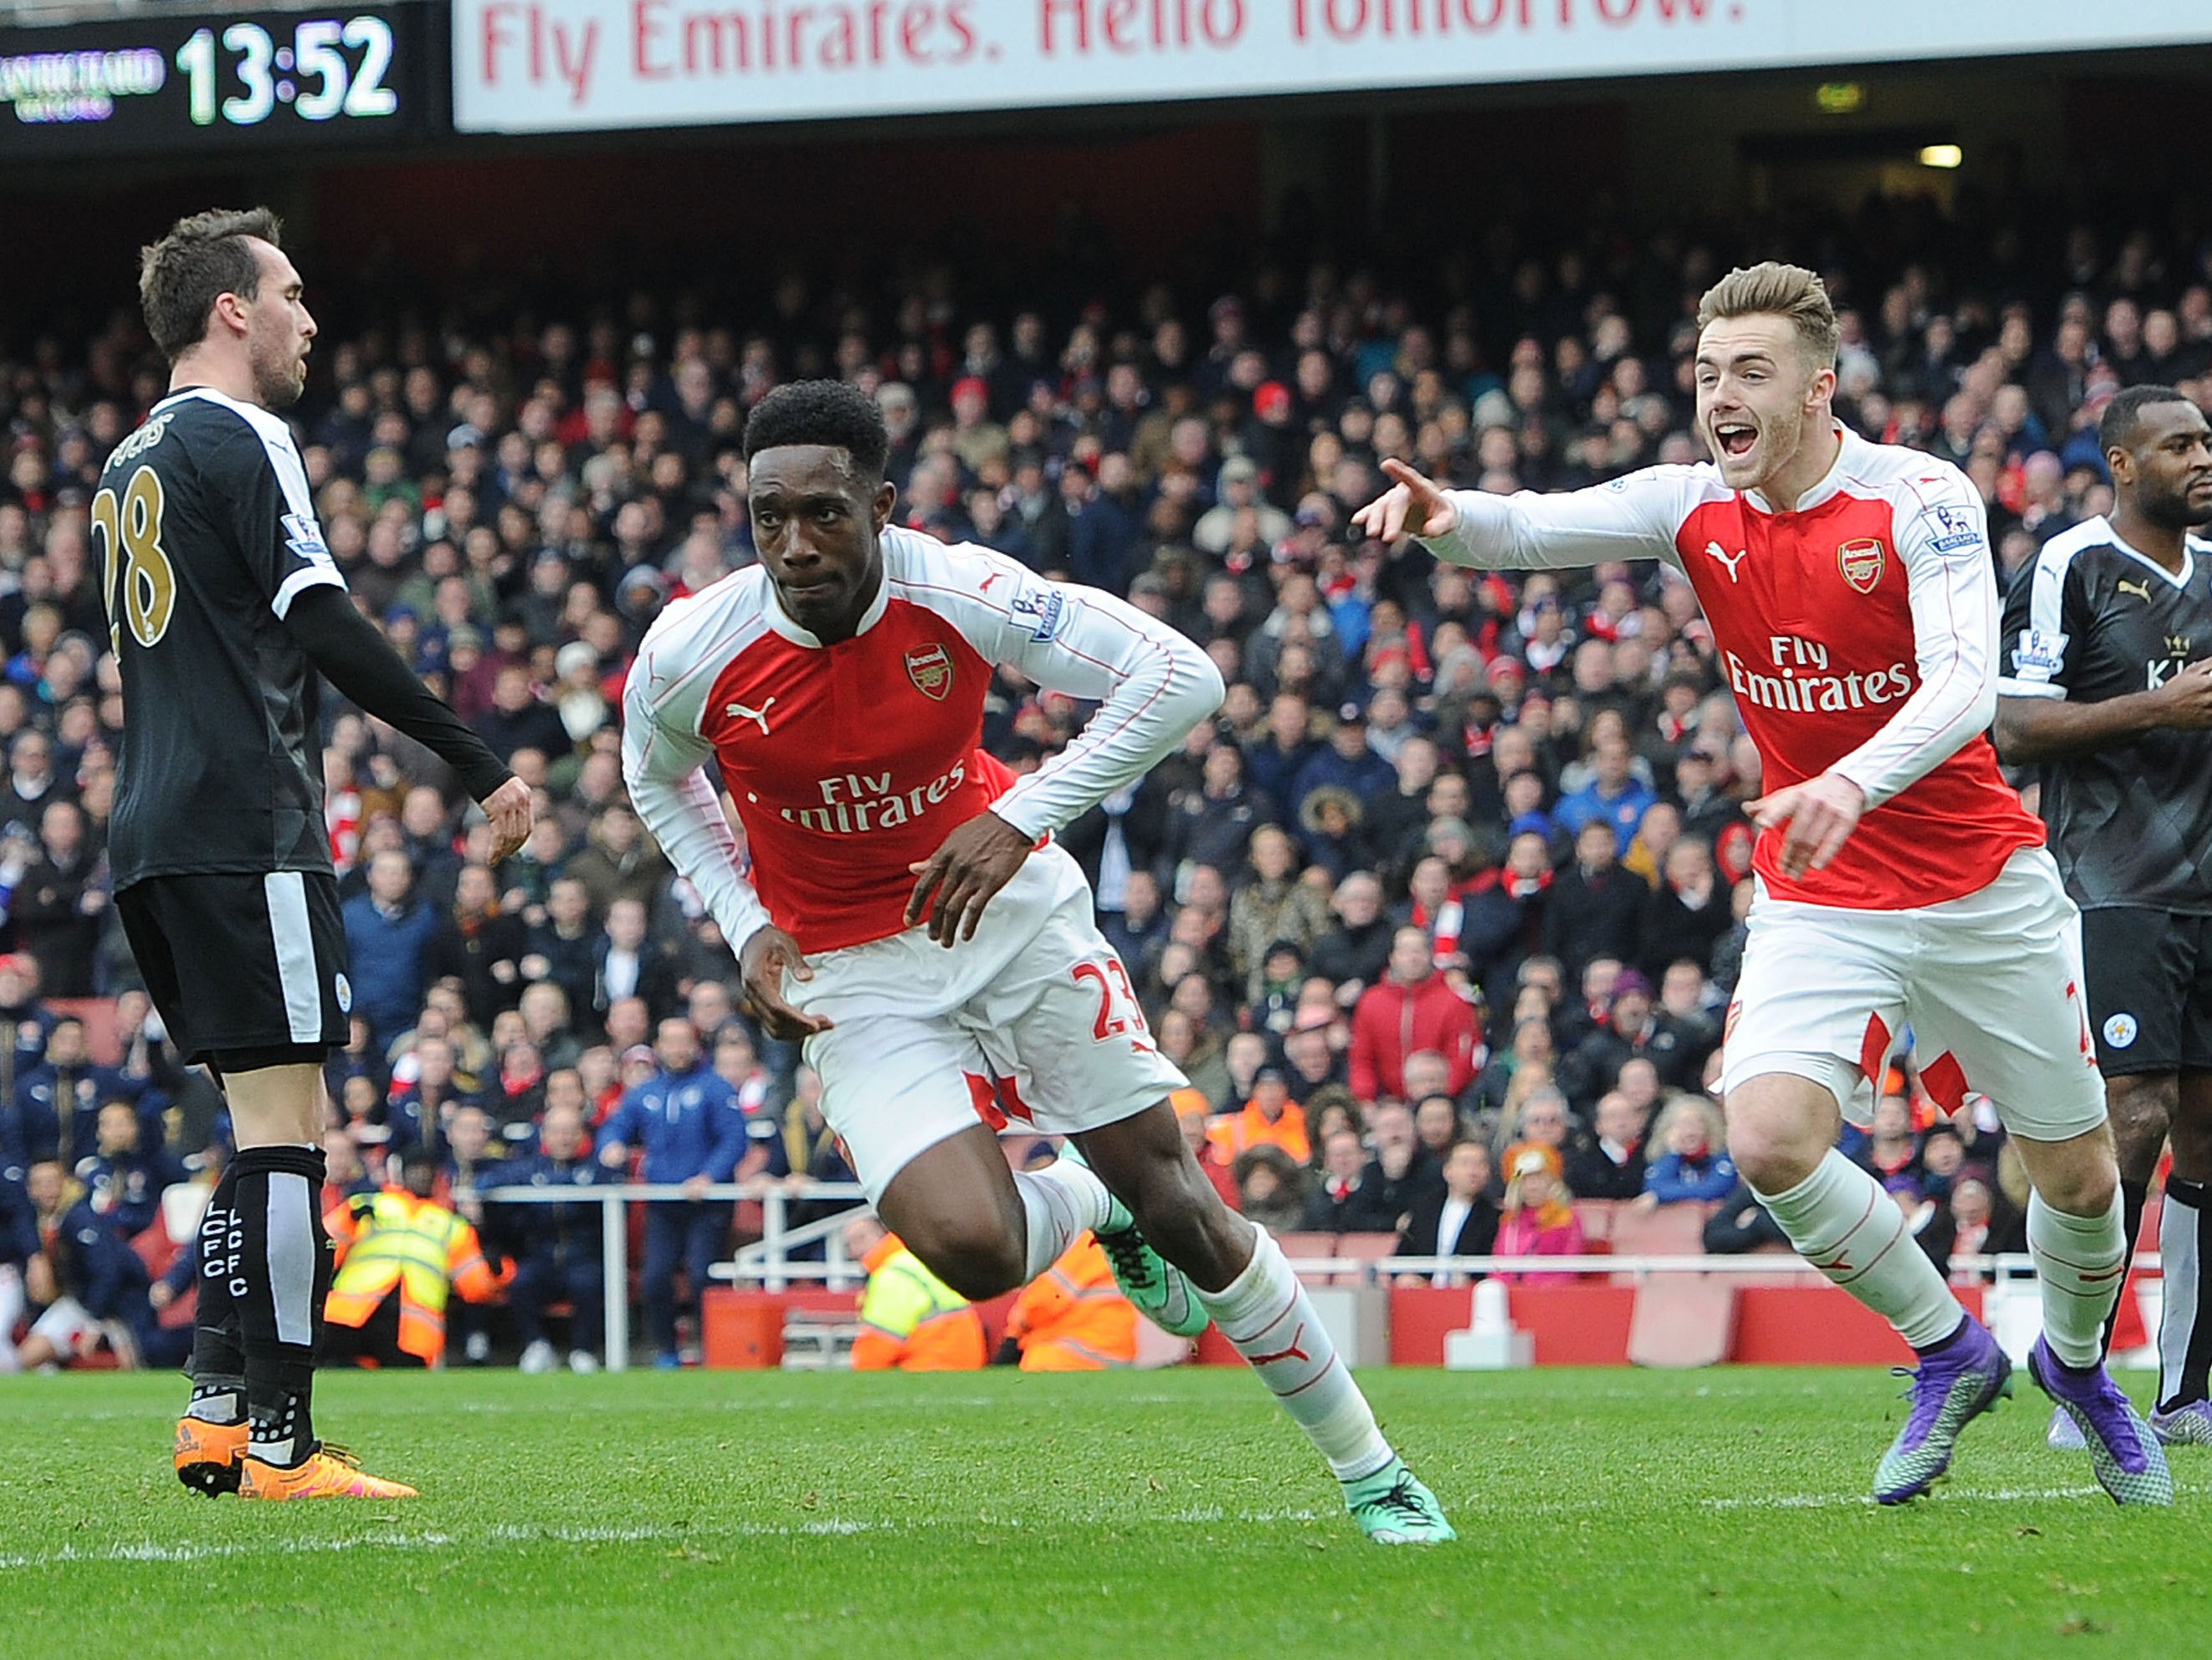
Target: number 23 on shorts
x=1113, y=983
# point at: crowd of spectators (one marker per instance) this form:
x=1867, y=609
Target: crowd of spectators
x=1440, y=914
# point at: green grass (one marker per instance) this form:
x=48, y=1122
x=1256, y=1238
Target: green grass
x=1604, y=1512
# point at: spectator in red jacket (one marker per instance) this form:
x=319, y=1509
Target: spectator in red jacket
x=1410, y=1009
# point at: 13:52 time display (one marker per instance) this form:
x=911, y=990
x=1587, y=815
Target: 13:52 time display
x=237, y=81
x=313, y=72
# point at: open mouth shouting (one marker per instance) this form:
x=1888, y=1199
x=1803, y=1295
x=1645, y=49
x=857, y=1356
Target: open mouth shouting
x=1735, y=439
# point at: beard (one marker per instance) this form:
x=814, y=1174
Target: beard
x=279, y=378
x=2170, y=510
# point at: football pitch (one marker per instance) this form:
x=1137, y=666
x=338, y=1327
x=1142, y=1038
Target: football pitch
x=1609, y=1512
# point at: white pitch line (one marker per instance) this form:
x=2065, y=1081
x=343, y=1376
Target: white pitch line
x=514, y=1535
x=194, y=1551
x=1950, y=1495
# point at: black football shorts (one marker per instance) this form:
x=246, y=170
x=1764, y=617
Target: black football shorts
x=241, y=960
x=2150, y=989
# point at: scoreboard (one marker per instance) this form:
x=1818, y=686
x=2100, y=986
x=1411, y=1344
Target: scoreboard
x=232, y=84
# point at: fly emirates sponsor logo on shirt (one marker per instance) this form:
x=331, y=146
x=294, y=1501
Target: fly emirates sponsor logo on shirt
x=855, y=803
x=1799, y=678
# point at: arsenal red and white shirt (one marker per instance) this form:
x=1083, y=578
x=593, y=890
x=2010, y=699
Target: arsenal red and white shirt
x=847, y=763
x=1856, y=628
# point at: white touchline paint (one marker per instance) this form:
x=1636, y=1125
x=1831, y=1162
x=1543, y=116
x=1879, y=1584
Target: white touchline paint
x=514, y=1535
x=1943, y=1495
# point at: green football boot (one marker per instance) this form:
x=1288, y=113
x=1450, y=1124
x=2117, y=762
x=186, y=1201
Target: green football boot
x=1156, y=1285
x=1393, y=1508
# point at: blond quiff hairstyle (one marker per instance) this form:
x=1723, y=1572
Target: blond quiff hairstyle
x=1773, y=289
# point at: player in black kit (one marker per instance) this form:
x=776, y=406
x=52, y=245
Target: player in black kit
x=222, y=599
x=2106, y=682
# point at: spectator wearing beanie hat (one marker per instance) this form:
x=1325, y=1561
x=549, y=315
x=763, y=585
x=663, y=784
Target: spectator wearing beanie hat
x=1276, y=438
x=1238, y=492
x=977, y=440
x=582, y=705
x=1537, y=1220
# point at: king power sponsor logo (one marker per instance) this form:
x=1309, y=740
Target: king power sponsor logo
x=1801, y=679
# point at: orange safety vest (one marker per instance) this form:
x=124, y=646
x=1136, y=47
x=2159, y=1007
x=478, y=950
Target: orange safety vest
x=912, y=1320
x=392, y=1239
x=1072, y=1317
x=1250, y=1127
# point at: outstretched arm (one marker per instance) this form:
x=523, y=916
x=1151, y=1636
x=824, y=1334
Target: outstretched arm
x=1631, y=517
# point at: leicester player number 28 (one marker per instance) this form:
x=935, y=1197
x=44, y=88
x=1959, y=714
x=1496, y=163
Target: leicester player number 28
x=130, y=532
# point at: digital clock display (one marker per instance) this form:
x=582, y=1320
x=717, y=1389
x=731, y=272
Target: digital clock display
x=231, y=81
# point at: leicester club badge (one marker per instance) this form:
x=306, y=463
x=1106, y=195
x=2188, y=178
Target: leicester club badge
x=930, y=668
x=1861, y=563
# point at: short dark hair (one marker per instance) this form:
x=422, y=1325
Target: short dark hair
x=202, y=257
x=831, y=413
x=2121, y=424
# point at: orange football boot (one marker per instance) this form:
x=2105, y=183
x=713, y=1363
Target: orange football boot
x=209, y=1455
x=328, y=1472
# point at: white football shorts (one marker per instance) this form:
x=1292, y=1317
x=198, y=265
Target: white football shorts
x=1033, y=1021
x=1989, y=984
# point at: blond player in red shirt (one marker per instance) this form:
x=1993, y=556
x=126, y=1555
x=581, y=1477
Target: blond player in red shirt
x=907, y=913
x=1853, y=603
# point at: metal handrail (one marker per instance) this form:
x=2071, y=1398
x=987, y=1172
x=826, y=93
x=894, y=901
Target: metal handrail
x=775, y=1196
x=2009, y=1264
x=766, y=1261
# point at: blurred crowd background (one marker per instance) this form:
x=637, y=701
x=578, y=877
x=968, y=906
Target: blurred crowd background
x=1440, y=914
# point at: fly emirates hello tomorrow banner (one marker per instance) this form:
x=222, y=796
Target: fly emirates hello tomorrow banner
x=575, y=65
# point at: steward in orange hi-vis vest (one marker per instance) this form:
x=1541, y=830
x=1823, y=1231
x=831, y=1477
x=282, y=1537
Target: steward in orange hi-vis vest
x=1072, y=1317
x=400, y=1253
x=912, y=1320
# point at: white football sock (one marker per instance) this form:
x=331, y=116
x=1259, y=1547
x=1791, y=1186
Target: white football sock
x=1839, y=1219
x=2180, y=1233
x=2081, y=1262
x=1060, y=1202
x=1267, y=1318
